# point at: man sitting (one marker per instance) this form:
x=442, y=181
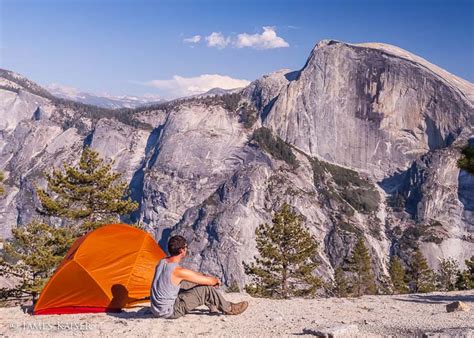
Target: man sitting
x=168, y=300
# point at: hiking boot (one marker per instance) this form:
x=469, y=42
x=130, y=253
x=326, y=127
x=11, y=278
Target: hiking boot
x=237, y=308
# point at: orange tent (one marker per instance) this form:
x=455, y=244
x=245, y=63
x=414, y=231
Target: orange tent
x=105, y=270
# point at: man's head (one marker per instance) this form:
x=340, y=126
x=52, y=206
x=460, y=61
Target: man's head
x=177, y=245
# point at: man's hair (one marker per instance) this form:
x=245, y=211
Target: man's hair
x=175, y=244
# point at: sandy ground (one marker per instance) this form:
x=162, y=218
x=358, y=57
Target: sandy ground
x=398, y=315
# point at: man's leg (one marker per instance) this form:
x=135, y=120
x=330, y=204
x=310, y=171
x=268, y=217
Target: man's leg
x=199, y=295
x=185, y=285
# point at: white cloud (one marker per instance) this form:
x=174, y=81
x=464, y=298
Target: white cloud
x=193, y=39
x=216, y=39
x=180, y=86
x=267, y=40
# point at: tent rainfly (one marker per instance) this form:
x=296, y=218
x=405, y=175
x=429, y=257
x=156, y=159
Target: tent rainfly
x=105, y=270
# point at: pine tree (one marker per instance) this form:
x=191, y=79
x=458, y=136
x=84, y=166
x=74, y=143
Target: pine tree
x=30, y=256
x=422, y=277
x=87, y=195
x=447, y=273
x=341, y=287
x=385, y=286
x=287, y=258
x=364, y=282
x=2, y=189
x=470, y=268
x=90, y=193
x=397, y=275
x=466, y=162
x=465, y=278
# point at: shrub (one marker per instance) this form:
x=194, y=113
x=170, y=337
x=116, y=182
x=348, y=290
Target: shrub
x=247, y=116
x=447, y=273
x=349, y=187
x=466, y=162
x=230, y=101
x=465, y=278
x=30, y=257
x=2, y=189
x=275, y=146
x=234, y=287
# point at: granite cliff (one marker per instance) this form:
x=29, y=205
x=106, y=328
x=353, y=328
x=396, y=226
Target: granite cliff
x=362, y=141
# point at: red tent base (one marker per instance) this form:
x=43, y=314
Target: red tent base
x=74, y=309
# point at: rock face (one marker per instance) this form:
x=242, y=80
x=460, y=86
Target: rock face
x=400, y=109
x=375, y=134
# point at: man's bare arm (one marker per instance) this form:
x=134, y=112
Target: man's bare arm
x=194, y=277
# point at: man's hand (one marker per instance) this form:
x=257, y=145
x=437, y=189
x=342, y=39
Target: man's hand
x=218, y=283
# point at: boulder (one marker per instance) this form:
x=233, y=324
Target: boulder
x=457, y=306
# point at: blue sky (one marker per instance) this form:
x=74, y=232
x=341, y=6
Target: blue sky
x=137, y=47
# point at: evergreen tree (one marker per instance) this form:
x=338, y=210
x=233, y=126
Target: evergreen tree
x=465, y=279
x=2, y=189
x=341, y=287
x=90, y=193
x=466, y=162
x=385, y=286
x=470, y=268
x=31, y=256
x=287, y=258
x=87, y=195
x=447, y=273
x=364, y=282
x=397, y=275
x=422, y=277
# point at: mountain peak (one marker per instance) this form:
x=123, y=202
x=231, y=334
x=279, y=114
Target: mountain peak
x=102, y=100
x=326, y=42
x=463, y=86
x=16, y=81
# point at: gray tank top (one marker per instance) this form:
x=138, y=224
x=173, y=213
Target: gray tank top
x=163, y=291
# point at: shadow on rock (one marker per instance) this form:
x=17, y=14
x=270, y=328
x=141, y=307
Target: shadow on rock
x=140, y=314
x=437, y=299
x=145, y=312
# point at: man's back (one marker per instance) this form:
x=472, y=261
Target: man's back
x=169, y=301
x=163, y=291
